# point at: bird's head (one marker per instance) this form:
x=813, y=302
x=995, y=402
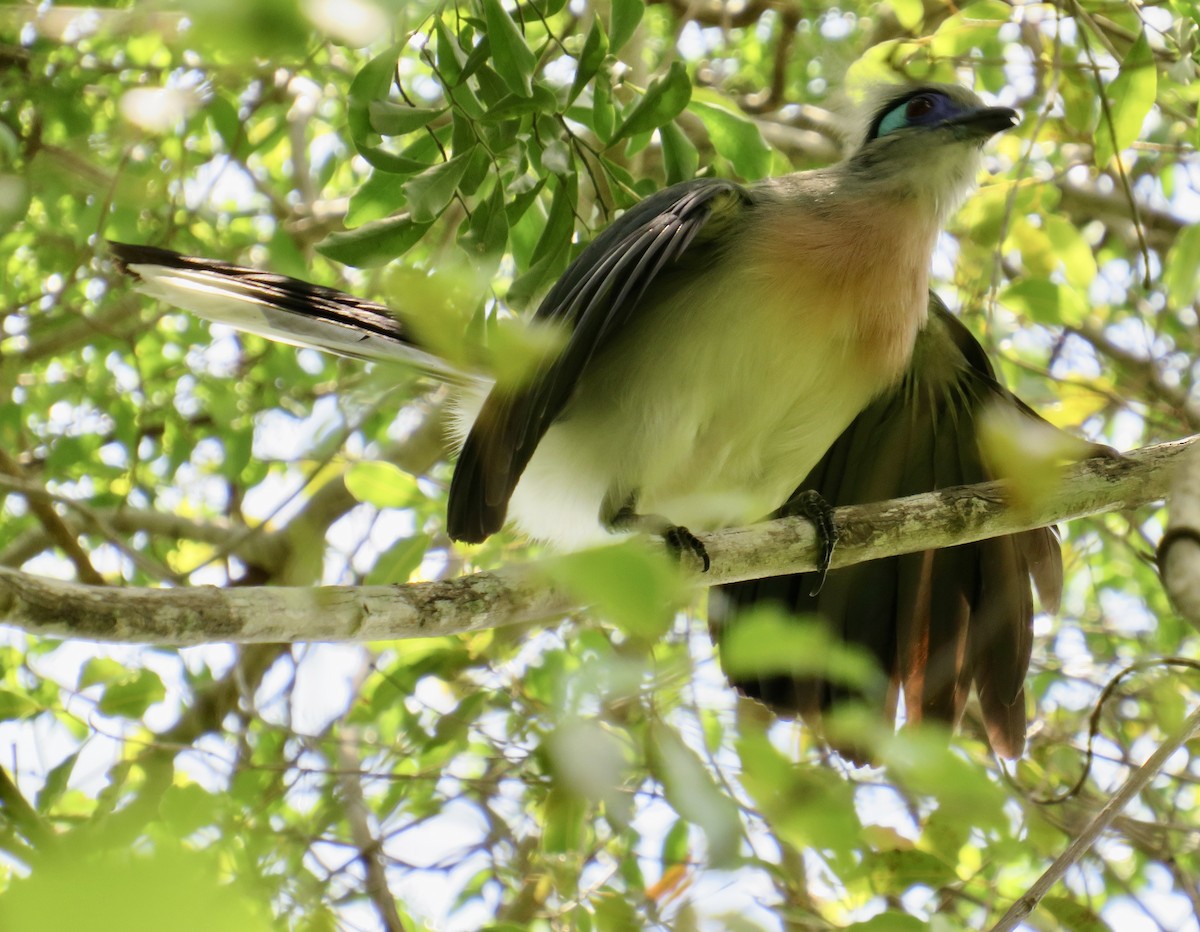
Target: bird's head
x=925, y=140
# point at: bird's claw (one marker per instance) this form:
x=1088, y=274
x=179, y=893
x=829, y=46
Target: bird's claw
x=812, y=505
x=679, y=539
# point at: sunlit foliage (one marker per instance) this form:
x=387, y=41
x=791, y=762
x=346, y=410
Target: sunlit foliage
x=449, y=158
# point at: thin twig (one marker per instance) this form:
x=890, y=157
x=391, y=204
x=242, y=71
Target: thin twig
x=1021, y=909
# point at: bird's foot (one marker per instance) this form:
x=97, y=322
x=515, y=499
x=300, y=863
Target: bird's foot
x=812, y=505
x=679, y=539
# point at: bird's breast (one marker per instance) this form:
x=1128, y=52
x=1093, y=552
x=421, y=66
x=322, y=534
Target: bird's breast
x=858, y=272
x=730, y=382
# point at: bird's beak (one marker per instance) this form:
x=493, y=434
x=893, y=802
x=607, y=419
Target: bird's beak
x=983, y=122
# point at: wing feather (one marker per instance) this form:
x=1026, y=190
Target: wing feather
x=936, y=621
x=594, y=300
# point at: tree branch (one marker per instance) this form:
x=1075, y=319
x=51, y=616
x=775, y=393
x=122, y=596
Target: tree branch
x=522, y=594
x=1085, y=839
x=1179, y=551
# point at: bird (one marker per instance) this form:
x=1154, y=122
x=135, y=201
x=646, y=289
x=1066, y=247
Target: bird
x=731, y=351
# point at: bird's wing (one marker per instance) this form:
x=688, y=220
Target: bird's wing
x=939, y=620
x=276, y=307
x=593, y=300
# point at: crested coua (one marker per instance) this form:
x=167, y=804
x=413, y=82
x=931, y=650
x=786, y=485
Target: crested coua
x=726, y=347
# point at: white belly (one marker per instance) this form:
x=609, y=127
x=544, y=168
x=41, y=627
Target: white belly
x=712, y=413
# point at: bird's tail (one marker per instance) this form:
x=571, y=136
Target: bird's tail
x=279, y=308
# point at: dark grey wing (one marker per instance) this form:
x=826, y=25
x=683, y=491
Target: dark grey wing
x=939, y=620
x=593, y=301
x=277, y=307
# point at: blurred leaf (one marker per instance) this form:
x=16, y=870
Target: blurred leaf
x=1182, y=274
x=188, y=809
x=675, y=848
x=132, y=696
x=920, y=760
x=399, y=561
x=563, y=820
x=635, y=587
x=909, y=13
x=1131, y=95
x=56, y=783
x=691, y=791
x=1073, y=251
x=805, y=806
x=890, y=921
x=768, y=642
x=1076, y=916
x=115, y=890
x=624, y=18
x=102, y=670
x=15, y=705
x=381, y=484
x=1046, y=302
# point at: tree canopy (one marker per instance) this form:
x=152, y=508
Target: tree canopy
x=595, y=773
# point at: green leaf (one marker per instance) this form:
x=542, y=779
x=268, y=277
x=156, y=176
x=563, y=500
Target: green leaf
x=664, y=100
x=131, y=698
x=550, y=253
x=224, y=116
x=487, y=230
x=15, y=705
x=734, y=137
x=102, y=670
x=392, y=119
x=373, y=243
x=563, y=818
x=187, y=808
x=514, y=60
x=1046, y=302
x=1182, y=274
x=675, y=848
x=1076, y=916
x=1072, y=250
x=693, y=793
x=591, y=57
x=630, y=585
x=807, y=807
x=921, y=760
x=896, y=870
x=451, y=59
x=398, y=562
x=56, y=783
x=909, y=13
x=1131, y=95
x=769, y=642
x=430, y=192
x=680, y=157
x=604, y=113
x=624, y=19
x=382, y=484
x=381, y=195
x=891, y=921
x=372, y=83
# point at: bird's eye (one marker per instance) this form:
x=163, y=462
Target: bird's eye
x=919, y=106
